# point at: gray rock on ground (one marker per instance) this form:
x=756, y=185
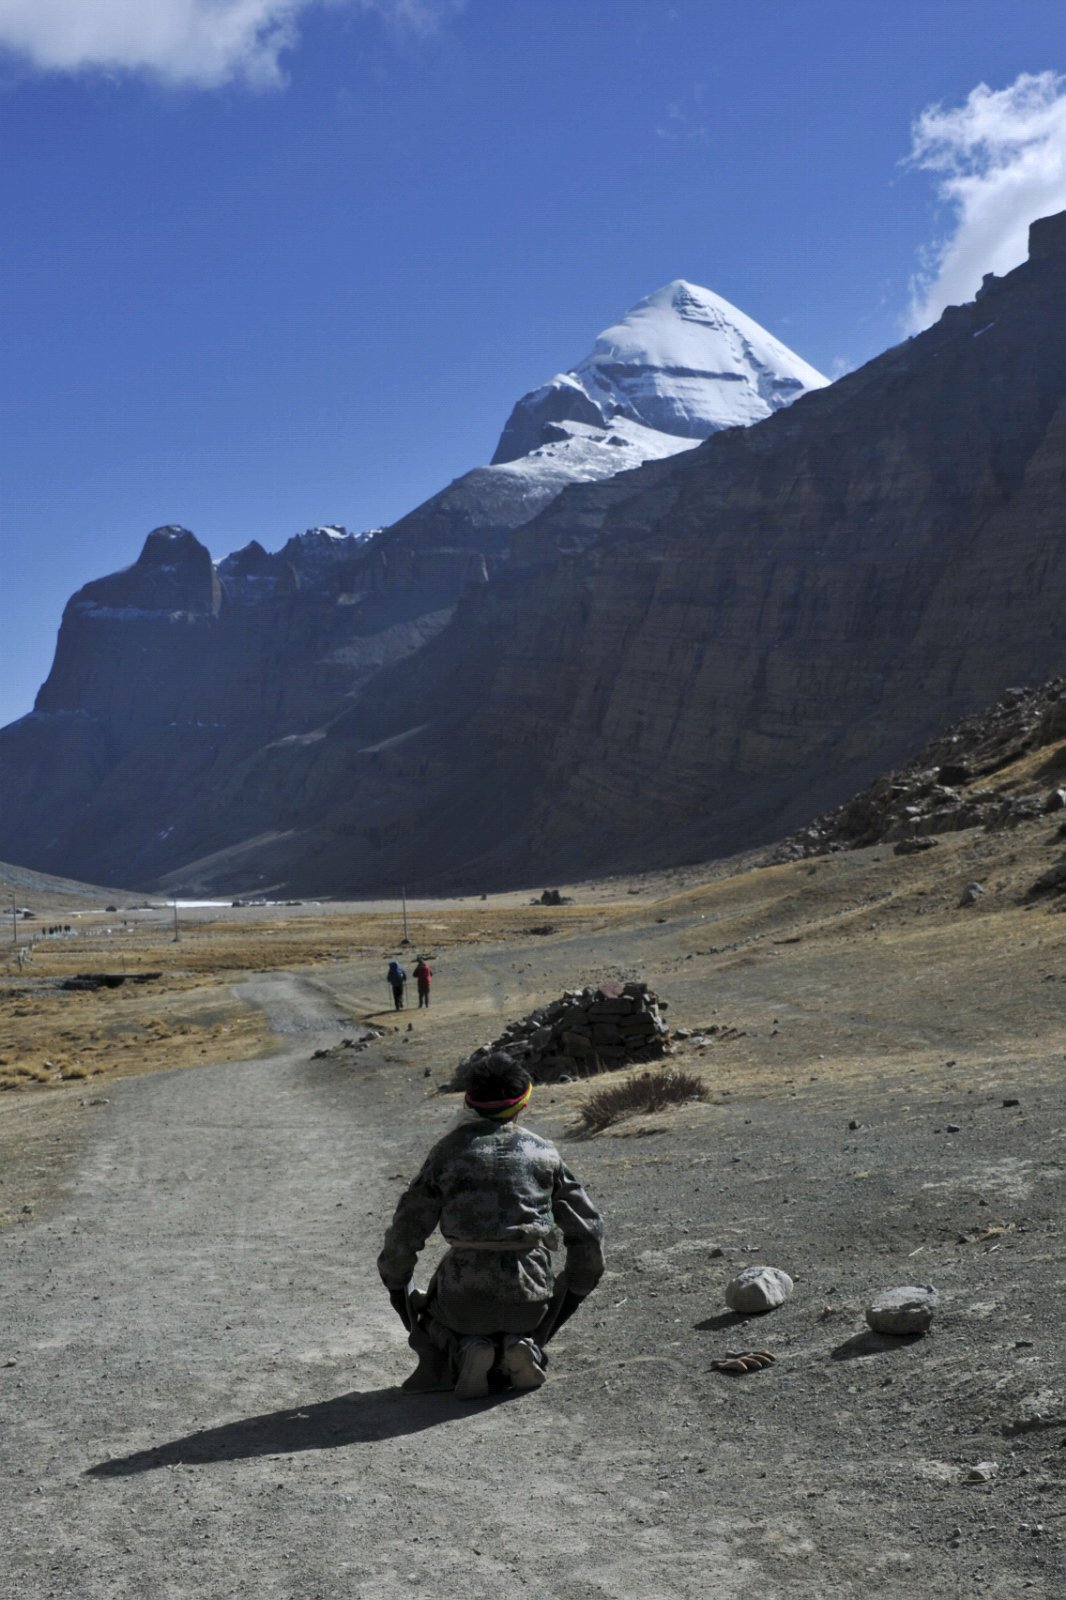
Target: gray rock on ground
x=900, y=1311
x=758, y=1288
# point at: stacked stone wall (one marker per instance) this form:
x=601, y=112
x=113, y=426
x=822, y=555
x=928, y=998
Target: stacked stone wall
x=596, y=1029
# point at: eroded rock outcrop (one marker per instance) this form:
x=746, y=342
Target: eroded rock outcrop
x=949, y=785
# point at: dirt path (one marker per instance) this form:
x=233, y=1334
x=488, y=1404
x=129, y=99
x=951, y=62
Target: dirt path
x=203, y=1399
x=202, y=1402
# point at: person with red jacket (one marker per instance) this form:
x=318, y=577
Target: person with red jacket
x=423, y=977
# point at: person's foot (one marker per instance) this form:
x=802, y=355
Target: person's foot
x=431, y=1376
x=475, y=1363
x=523, y=1362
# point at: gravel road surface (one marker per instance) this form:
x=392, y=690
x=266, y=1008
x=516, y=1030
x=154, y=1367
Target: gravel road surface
x=198, y=1367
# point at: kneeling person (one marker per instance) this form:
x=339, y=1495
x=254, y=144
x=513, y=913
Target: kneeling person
x=498, y=1192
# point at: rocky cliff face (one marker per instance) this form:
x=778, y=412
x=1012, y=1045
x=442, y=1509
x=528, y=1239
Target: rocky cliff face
x=796, y=605
x=169, y=674
x=697, y=657
x=685, y=659
x=789, y=609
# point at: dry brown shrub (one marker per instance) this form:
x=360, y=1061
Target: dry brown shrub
x=23, y=1073
x=648, y=1091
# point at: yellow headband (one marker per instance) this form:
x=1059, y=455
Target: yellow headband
x=500, y=1110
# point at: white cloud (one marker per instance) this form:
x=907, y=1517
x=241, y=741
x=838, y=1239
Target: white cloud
x=1000, y=160
x=190, y=43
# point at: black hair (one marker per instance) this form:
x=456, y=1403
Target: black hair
x=498, y=1077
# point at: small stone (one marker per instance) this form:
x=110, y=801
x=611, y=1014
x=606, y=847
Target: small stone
x=902, y=1311
x=953, y=1127
x=853, y=1125
x=983, y=1472
x=758, y=1289
x=972, y=892
x=1011, y=1101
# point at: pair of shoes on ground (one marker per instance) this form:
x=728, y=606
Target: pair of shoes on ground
x=522, y=1363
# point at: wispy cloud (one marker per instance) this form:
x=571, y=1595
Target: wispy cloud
x=1000, y=160
x=189, y=43
x=676, y=129
x=681, y=125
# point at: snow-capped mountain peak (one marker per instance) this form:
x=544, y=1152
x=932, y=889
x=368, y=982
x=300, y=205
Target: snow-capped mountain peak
x=682, y=362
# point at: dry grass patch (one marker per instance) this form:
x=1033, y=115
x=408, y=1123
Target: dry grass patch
x=51, y=1037
x=647, y=1091
x=22, y=1073
x=215, y=947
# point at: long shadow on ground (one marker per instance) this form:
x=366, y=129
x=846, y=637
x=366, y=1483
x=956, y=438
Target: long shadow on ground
x=869, y=1343
x=357, y=1418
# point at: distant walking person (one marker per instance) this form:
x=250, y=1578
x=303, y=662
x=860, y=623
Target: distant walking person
x=423, y=977
x=397, y=983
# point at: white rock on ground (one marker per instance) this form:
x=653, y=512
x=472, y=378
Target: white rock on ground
x=905, y=1310
x=758, y=1289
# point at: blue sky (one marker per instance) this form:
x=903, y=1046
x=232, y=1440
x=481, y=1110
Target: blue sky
x=258, y=279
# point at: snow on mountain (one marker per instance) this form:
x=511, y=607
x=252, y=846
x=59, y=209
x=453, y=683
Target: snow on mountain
x=318, y=548
x=576, y=450
x=680, y=365
x=253, y=573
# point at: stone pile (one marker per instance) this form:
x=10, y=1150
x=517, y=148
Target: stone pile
x=590, y=1030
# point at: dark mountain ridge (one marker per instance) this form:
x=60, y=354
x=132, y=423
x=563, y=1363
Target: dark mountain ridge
x=694, y=659
x=681, y=661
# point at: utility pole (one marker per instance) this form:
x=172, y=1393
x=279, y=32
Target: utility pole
x=403, y=892
x=177, y=935
x=14, y=924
